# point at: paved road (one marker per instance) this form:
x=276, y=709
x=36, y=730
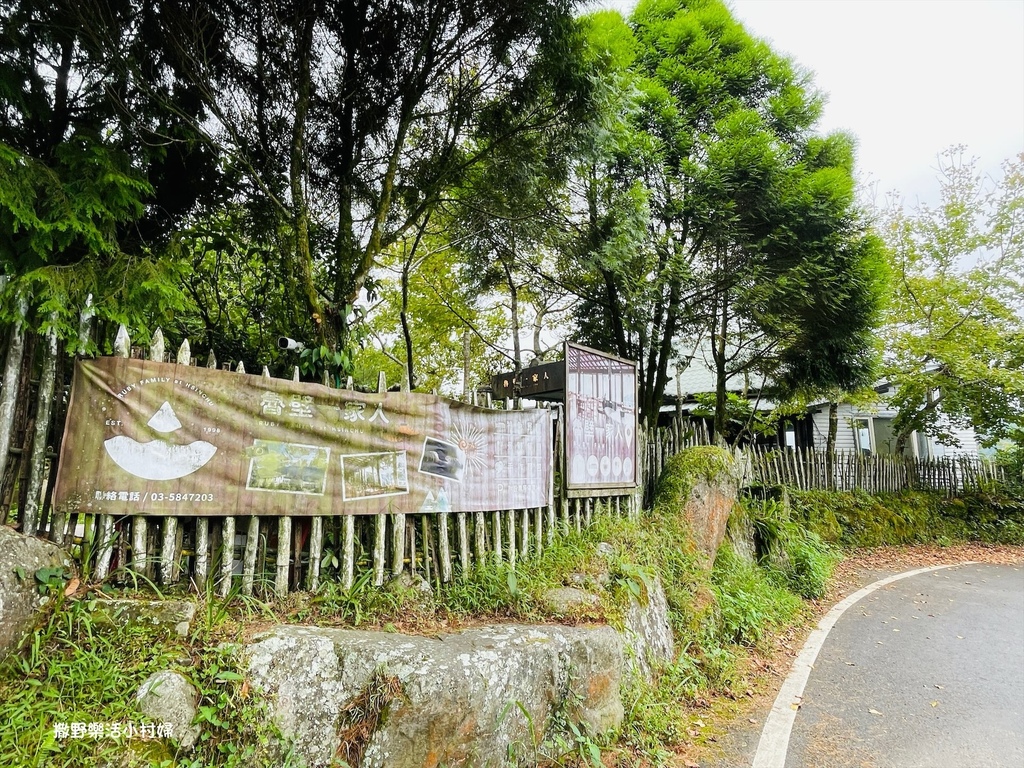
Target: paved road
x=927, y=672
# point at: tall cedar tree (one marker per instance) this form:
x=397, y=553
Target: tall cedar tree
x=712, y=208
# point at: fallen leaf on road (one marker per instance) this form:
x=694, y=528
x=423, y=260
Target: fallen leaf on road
x=935, y=703
x=874, y=712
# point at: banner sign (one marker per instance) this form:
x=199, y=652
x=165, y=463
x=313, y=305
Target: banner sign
x=600, y=420
x=148, y=438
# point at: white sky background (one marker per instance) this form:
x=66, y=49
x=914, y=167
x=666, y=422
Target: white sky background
x=908, y=78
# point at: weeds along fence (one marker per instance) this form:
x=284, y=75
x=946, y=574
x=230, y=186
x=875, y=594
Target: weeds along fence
x=253, y=554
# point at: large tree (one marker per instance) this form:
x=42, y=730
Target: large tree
x=346, y=121
x=93, y=172
x=954, y=333
x=749, y=226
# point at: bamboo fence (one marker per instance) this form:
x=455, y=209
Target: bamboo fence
x=249, y=553
x=263, y=555
x=875, y=473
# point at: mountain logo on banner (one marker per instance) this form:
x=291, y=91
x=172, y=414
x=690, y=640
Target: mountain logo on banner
x=159, y=459
x=433, y=504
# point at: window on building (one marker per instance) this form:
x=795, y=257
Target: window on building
x=862, y=434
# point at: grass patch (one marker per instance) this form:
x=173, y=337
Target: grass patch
x=77, y=669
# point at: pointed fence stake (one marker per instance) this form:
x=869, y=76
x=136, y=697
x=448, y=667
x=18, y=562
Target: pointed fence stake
x=316, y=543
x=348, y=554
x=156, y=346
x=37, y=459
x=122, y=343
x=202, y=552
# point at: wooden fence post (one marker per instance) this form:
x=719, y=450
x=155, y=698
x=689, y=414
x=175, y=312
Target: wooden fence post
x=105, y=529
x=37, y=461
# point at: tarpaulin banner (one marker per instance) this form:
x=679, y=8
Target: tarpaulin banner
x=601, y=419
x=149, y=438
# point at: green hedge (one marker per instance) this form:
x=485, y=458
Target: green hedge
x=858, y=519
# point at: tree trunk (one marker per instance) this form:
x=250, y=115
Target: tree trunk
x=297, y=174
x=830, y=444
x=833, y=428
x=403, y=317
x=718, y=351
x=37, y=458
x=513, y=293
x=538, y=328
x=466, y=356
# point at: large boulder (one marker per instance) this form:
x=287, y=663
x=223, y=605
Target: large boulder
x=479, y=697
x=707, y=511
x=20, y=558
x=702, y=485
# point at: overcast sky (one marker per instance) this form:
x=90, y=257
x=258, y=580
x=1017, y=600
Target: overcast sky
x=907, y=77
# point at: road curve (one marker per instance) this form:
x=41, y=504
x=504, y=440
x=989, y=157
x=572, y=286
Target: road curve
x=921, y=670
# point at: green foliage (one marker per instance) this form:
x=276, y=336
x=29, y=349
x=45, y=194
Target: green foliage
x=750, y=604
x=954, y=333
x=740, y=417
x=73, y=670
x=51, y=579
x=237, y=730
x=740, y=223
x=1010, y=456
x=94, y=172
x=320, y=362
x=858, y=519
x=79, y=667
x=795, y=557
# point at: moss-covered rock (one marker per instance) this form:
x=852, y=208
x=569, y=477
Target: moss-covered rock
x=701, y=484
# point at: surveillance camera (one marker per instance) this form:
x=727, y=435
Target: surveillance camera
x=283, y=342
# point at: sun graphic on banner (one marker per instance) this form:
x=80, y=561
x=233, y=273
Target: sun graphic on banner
x=470, y=438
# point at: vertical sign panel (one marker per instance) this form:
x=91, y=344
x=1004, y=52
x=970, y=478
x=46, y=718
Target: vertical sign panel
x=601, y=420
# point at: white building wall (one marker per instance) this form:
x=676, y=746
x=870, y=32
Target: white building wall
x=846, y=439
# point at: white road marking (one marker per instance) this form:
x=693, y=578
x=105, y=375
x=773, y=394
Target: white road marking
x=774, y=744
